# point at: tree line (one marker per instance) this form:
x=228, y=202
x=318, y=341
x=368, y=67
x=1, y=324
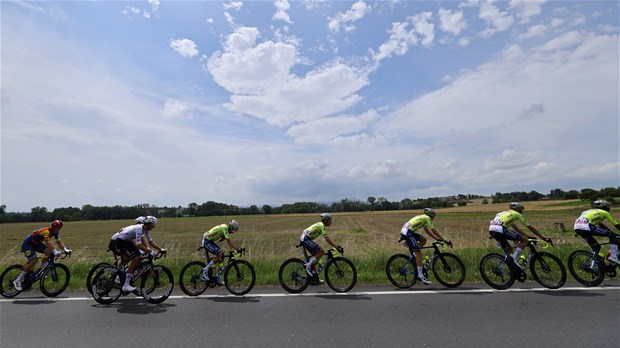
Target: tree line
x=211, y=208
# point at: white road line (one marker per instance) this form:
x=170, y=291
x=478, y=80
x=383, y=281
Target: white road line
x=327, y=293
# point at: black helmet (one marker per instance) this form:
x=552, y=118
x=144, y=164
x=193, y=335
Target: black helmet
x=601, y=204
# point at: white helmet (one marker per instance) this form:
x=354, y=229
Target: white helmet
x=140, y=219
x=150, y=220
x=326, y=216
x=234, y=225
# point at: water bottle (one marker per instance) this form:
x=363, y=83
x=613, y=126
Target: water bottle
x=521, y=260
x=425, y=261
x=601, y=255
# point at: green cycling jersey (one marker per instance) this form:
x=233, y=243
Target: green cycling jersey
x=312, y=232
x=509, y=217
x=216, y=233
x=596, y=216
x=420, y=221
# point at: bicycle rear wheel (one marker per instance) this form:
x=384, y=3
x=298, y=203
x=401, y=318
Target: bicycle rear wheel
x=157, y=284
x=7, y=289
x=401, y=273
x=106, y=285
x=190, y=279
x=340, y=274
x=548, y=270
x=585, y=269
x=239, y=277
x=55, y=280
x=496, y=272
x=91, y=274
x=449, y=270
x=293, y=277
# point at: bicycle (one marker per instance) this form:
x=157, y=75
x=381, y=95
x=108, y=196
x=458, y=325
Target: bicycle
x=449, y=270
x=53, y=278
x=239, y=275
x=156, y=282
x=340, y=273
x=96, y=268
x=590, y=267
x=501, y=271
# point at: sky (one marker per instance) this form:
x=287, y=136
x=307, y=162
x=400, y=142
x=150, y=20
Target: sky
x=273, y=102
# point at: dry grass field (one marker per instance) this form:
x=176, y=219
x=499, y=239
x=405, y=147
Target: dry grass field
x=270, y=239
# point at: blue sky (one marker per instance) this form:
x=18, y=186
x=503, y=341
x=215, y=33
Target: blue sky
x=273, y=102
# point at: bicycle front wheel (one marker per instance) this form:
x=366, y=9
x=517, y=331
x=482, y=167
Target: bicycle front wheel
x=401, y=272
x=106, y=285
x=449, y=270
x=239, y=277
x=496, y=272
x=55, y=280
x=190, y=280
x=91, y=274
x=7, y=289
x=585, y=269
x=340, y=274
x=293, y=277
x=548, y=270
x=156, y=284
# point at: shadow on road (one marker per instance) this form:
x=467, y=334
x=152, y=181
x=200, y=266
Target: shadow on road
x=136, y=307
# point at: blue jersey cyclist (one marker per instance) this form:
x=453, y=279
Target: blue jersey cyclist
x=310, y=234
x=590, y=224
x=218, y=233
x=415, y=240
x=498, y=229
x=39, y=241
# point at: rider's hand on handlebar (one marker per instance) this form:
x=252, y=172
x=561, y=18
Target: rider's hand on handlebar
x=67, y=251
x=56, y=253
x=153, y=253
x=340, y=249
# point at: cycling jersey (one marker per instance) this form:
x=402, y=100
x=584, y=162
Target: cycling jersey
x=216, y=233
x=132, y=232
x=312, y=232
x=592, y=217
x=416, y=223
x=44, y=234
x=505, y=219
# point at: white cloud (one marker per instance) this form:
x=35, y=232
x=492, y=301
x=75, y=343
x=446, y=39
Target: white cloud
x=533, y=31
x=233, y=5
x=402, y=36
x=282, y=6
x=452, y=22
x=423, y=26
x=496, y=20
x=345, y=20
x=527, y=9
x=185, y=47
x=175, y=109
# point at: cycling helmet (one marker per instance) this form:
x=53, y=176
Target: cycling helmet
x=57, y=224
x=517, y=207
x=150, y=220
x=601, y=204
x=430, y=212
x=326, y=217
x=140, y=219
x=234, y=225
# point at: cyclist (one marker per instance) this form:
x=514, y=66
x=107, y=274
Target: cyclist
x=39, y=242
x=416, y=241
x=218, y=233
x=130, y=241
x=310, y=234
x=498, y=229
x=590, y=224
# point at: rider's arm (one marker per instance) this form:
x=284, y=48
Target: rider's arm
x=535, y=231
x=141, y=245
x=433, y=233
x=330, y=241
x=155, y=245
x=231, y=244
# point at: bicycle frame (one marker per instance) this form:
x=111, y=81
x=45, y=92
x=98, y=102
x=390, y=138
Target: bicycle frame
x=37, y=276
x=224, y=262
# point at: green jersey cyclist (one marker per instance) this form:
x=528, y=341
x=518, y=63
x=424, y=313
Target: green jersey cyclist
x=218, y=233
x=416, y=241
x=498, y=229
x=590, y=224
x=310, y=234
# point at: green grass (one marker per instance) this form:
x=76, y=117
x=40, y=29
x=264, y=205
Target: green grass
x=369, y=239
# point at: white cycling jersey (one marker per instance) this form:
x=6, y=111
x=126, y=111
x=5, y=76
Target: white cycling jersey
x=133, y=232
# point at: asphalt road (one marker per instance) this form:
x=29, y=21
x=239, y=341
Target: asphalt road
x=470, y=316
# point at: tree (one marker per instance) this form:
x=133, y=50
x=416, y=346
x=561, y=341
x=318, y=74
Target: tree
x=267, y=209
x=40, y=214
x=588, y=194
